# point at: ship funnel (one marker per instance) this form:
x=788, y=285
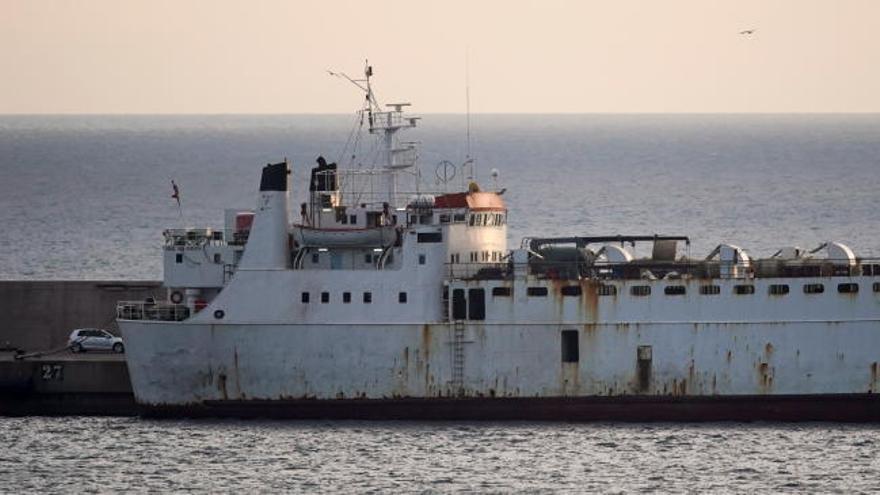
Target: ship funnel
x=268, y=245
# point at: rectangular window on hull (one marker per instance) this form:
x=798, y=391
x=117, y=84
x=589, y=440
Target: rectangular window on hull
x=814, y=288
x=571, y=290
x=459, y=305
x=477, y=304
x=178, y=258
x=536, y=291
x=325, y=297
x=607, y=290
x=742, y=290
x=401, y=297
x=570, y=351
x=710, y=290
x=305, y=297
x=501, y=291
x=368, y=297
x=640, y=290
x=847, y=288
x=778, y=289
x=346, y=297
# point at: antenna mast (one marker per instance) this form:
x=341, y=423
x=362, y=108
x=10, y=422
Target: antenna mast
x=467, y=103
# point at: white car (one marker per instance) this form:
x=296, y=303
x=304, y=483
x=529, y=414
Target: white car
x=94, y=339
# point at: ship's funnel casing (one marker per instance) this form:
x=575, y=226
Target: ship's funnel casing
x=268, y=245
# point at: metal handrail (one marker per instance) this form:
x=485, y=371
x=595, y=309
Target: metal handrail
x=152, y=311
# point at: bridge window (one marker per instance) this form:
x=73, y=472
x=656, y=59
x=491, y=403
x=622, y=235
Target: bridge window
x=640, y=290
x=710, y=290
x=674, y=290
x=325, y=297
x=368, y=297
x=778, y=289
x=743, y=290
x=459, y=218
x=536, y=291
x=305, y=297
x=607, y=290
x=571, y=290
x=570, y=351
x=847, y=288
x=401, y=297
x=501, y=291
x=346, y=297
x=814, y=288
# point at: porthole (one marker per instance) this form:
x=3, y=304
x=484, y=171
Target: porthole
x=219, y=314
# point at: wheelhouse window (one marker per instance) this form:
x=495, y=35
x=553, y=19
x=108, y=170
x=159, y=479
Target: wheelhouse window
x=778, y=289
x=325, y=297
x=368, y=297
x=710, y=290
x=640, y=290
x=305, y=297
x=743, y=290
x=674, y=290
x=814, y=288
x=429, y=237
x=401, y=297
x=849, y=288
x=536, y=291
x=346, y=297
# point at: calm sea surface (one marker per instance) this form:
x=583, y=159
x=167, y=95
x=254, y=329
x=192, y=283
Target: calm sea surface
x=88, y=197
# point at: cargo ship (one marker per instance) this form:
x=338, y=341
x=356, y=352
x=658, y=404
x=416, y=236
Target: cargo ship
x=382, y=300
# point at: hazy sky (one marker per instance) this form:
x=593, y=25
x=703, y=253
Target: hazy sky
x=180, y=56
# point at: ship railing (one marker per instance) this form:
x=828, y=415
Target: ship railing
x=151, y=310
x=669, y=270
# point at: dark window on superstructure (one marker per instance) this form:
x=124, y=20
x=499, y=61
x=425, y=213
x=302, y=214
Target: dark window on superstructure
x=459, y=218
x=876, y=286
x=570, y=351
x=674, y=290
x=814, y=288
x=571, y=290
x=429, y=237
x=426, y=219
x=368, y=258
x=353, y=219
x=501, y=291
x=848, y=288
x=606, y=290
x=742, y=290
x=477, y=304
x=778, y=289
x=305, y=297
x=710, y=290
x=422, y=259
x=472, y=220
x=346, y=297
x=315, y=257
x=444, y=218
x=536, y=291
x=640, y=290
x=178, y=258
x=459, y=305
x=401, y=297
x=218, y=258
x=368, y=297
x=325, y=297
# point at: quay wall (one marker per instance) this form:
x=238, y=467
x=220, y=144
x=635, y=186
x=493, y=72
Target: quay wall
x=39, y=315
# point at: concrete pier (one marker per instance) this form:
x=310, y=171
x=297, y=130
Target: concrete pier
x=38, y=317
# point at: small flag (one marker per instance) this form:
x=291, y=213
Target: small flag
x=176, y=194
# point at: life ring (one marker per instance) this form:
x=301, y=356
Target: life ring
x=219, y=314
x=176, y=297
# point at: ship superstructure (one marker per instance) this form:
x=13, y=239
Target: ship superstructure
x=375, y=301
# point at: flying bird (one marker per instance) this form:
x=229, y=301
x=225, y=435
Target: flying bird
x=748, y=32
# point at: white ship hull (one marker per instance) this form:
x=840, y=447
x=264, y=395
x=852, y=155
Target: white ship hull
x=192, y=367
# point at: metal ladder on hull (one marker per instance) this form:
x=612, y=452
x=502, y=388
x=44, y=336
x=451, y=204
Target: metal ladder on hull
x=458, y=358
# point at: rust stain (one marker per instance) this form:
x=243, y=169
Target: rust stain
x=768, y=349
x=221, y=385
x=765, y=377
x=590, y=298
x=729, y=355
